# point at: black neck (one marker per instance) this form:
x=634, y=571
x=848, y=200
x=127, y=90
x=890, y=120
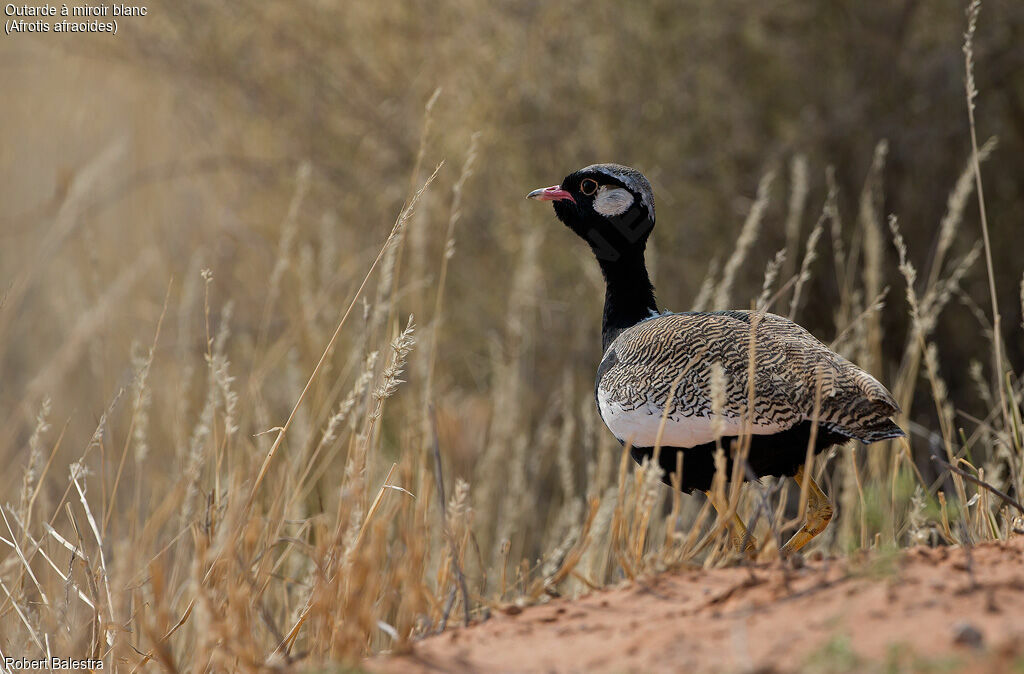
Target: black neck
x=629, y=295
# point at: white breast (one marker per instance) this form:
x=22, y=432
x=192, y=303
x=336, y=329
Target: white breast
x=639, y=426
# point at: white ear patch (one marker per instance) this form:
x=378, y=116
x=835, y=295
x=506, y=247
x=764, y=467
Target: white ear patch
x=612, y=201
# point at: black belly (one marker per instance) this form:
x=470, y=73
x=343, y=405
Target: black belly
x=776, y=454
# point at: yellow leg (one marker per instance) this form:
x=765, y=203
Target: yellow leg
x=738, y=528
x=819, y=512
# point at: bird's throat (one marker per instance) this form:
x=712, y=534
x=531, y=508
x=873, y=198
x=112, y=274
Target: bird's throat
x=629, y=295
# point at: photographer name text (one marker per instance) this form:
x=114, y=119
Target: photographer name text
x=51, y=663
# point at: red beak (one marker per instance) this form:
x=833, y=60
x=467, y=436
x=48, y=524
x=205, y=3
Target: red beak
x=553, y=193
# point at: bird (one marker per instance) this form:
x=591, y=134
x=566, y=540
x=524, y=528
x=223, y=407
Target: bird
x=656, y=382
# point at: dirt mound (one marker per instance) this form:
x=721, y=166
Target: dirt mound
x=942, y=609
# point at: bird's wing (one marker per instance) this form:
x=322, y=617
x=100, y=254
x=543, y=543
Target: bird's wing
x=668, y=362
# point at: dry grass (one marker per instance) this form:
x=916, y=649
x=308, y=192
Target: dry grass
x=229, y=443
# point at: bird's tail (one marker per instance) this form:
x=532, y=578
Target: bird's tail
x=883, y=429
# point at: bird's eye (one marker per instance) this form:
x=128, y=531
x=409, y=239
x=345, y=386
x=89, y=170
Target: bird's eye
x=588, y=186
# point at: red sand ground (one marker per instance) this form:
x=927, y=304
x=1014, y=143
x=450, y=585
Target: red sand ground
x=943, y=609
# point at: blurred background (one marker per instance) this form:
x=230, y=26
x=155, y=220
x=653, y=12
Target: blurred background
x=181, y=136
x=275, y=144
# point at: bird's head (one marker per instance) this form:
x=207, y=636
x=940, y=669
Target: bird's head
x=609, y=206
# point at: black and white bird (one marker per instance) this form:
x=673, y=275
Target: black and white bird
x=654, y=384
